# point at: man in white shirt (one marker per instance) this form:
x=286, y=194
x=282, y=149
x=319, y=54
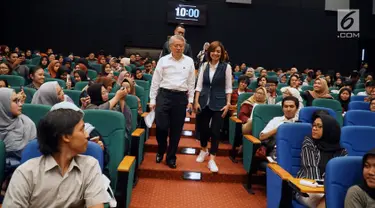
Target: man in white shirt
x=172, y=89
x=290, y=107
x=368, y=87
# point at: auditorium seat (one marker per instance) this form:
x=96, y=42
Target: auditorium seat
x=341, y=174
x=358, y=105
x=332, y=104
x=359, y=118
x=92, y=74
x=357, y=98
x=35, y=111
x=146, y=86
x=234, y=123
x=305, y=114
x=307, y=87
x=13, y=80
x=147, y=77
x=289, y=139
x=80, y=85
x=74, y=95
x=357, y=140
x=60, y=81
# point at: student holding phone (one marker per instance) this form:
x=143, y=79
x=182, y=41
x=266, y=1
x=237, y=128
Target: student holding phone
x=212, y=100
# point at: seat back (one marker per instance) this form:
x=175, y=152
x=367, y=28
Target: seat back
x=262, y=115
x=32, y=151
x=140, y=92
x=359, y=86
x=281, y=85
x=96, y=67
x=358, y=105
x=146, y=87
x=28, y=91
x=74, y=95
x=147, y=77
x=289, y=139
x=92, y=74
x=307, y=87
x=2, y=161
x=35, y=111
x=80, y=85
x=13, y=80
x=113, y=134
x=241, y=98
x=305, y=114
x=341, y=174
x=253, y=85
x=356, y=91
x=359, y=118
x=332, y=104
x=357, y=98
x=132, y=103
x=35, y=60
x=60, y=81
x=357, y=140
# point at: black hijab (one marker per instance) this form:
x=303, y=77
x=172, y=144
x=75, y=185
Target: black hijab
x=61, y=71
x=329, y=143
x=82, y=75
x=363, y=185
x=345, y=103
x=95, y=93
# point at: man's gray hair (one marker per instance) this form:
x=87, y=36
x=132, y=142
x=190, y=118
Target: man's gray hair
x=176, y=37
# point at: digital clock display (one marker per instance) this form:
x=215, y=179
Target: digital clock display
x=186, y=13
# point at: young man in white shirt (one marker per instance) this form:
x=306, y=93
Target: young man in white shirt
x=172, y=90
x=290, y=107
x=368, y=87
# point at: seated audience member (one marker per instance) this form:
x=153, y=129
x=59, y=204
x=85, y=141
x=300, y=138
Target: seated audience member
x=259, y=97
x=82, y=67
x=316, y=151
x=372, y=105
x=243, y=82
x=62, y=73
x=290, y=107
x=80, y=76
x=17, y=64
x=44, y=62
x=249, y=72
x=289, y=91
x=36, y=77
x=67, y=63
x=122, y=76
x=294, y=82
x=344, y=98
x=263, y=73
x=339, y=83
x=138, y=75
x=60, y=58
x=282, y=79
x=271, y=88
x=106, y=71
x=3, y=83
x=50, y=93
x=28, y=54
x=5, y=69
x=293, y=70
x=51, y=57
x=337, y=75
x=318, y=73
x=329, y=80
x=368, y=87
x=91, y=57
x=125, y=62
x=262, y=81
x=148, y=68
x=16, y=129
x=321, y=90
x=362, y=195
x=114, y=63
x=309, y=77
x=129, y=84
x=101, y=60
x=38, y=182
x=53, y=67
x=369, y=78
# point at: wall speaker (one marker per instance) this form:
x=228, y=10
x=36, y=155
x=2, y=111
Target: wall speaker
x=334, y=5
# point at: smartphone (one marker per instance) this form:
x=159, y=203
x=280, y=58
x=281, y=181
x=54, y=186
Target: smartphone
x=84, y=94
x=95, y=139
x=67, y=78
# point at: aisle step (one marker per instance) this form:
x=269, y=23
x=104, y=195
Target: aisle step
x=151, y=145
x=188, y=130
x=228, y=171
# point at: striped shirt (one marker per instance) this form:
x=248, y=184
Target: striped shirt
x=310, y=158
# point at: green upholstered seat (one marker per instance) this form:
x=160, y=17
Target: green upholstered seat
x=35, y=111
x=13, y=80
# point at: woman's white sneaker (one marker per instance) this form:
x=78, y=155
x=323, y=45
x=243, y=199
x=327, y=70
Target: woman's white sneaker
x=202, y=156
x=212, y=166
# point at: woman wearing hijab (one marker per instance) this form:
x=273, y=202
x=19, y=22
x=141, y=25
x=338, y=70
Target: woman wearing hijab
x=249, y=72
x=122, y=76
x=80, y=76
x=362, y=195
x=344, y=98
x=321, y=90
x=282, y=79
x=50, y=93
x=316, y=151
x=44, y=62
x=107, y=82
x=16, y=129
x=259, y=97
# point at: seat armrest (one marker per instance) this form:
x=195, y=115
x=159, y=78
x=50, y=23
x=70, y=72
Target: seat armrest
x=235, y=119
x=144, y=114
x=138, y=132
x=295, y=184
x=281, y=172
x=252, y=139
x=126, y=164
